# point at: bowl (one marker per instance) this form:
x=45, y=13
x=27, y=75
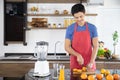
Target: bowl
x=115, y=56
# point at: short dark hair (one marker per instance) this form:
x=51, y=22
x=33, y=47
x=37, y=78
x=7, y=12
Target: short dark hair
x=77, y=8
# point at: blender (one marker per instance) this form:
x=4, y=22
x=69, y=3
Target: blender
x=41, y=67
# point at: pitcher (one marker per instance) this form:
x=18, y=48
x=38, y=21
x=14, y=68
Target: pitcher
x=41, y=50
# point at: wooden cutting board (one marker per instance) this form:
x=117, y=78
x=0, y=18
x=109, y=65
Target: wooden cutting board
x=76, y=76
x=38, y=22
x=88, y=73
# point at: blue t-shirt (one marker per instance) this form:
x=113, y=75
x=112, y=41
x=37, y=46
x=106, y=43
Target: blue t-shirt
x=70, y=30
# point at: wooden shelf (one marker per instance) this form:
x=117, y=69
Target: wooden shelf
x=47, y=28
x=50, y=28
x=55, y=1
x=89, y=14
x=16, y=0
x=58, y=28
x=43, y=27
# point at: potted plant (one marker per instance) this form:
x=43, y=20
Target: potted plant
x=115, y=41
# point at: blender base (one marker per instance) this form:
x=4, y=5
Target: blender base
x=41, y=68
x=41, y=75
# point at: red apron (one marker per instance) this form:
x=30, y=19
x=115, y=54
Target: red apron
x=81, y=43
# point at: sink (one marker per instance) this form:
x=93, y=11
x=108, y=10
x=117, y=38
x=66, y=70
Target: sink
x=58, y=57
x=16, y=57
x=57, y=54
x=26, y=57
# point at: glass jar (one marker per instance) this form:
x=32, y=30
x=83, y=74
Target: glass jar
x=54, y=25
x=59, y=25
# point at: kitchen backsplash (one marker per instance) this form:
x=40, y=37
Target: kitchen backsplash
x=106, y=24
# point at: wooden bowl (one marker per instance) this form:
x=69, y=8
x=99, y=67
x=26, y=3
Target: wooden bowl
x=115, y=56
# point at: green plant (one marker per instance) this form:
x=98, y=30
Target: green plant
x=100, y=52
x=104, y=53
x=115, y=38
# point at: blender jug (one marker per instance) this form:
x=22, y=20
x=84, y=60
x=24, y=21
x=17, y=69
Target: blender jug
x=41, y=50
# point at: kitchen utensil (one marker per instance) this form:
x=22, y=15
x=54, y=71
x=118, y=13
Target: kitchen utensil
x=55, y=70
x=42, y=65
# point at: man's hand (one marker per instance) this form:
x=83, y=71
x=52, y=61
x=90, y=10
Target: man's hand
x=89, y=67
x=80, y=59
x=71, y=51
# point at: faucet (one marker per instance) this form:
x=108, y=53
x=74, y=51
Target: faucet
x=56, y=47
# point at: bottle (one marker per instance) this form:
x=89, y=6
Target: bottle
x=49, y=25
x=62, y=73
x=54, y=25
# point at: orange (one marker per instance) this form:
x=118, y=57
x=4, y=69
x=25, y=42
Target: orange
x=91, y=77
x=109, y=77
x=79, y=71
x=84, y=69
x=116, y=76
x=83, y=76
x=75, y=70
x=102, y=71
x=99, y=76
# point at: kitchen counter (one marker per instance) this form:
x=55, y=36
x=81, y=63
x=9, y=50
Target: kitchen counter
x=30, y=57
x=19, y=66
x=50, y=57
x=29, y=75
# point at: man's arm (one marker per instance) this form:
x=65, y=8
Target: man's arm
x=69, y=49
x=94, y=52
x=95, y=49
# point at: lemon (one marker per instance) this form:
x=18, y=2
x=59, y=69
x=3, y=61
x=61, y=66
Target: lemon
x=102, y=71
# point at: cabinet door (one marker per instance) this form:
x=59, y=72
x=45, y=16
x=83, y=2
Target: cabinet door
x=14, y=28
x=15, y=21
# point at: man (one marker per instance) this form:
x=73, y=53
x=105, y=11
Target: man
x=81, y=40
